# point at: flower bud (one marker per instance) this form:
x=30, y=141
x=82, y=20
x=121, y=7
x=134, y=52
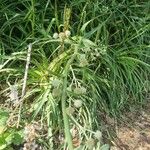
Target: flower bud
x=56, y=83
x=69, y=110
x=83, y=90
x=77, y=90
x=67, y=33
x=55, y=35
x=77, y=103
x=56, y=92
x=98, y=134
x=62, y=35
x=80, y=90
x=83, y=60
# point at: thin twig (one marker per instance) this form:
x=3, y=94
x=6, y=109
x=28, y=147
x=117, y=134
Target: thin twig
x=26, y=70
x=24, y=81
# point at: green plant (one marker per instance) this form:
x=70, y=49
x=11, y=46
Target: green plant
x=101, y=68
x=8, y=136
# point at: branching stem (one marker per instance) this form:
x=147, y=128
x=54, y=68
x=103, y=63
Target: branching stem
x=63, y=100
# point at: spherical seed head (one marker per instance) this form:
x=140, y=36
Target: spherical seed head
x=77, y=103
x=80, y=90
x=55, y=35
x=77, y=90
x=98, y=134
x=62, y=35
x=56, y=83
x=56, y=92
x=67, y=33
x=83, y=60
x=69, y=110
x=83, y=90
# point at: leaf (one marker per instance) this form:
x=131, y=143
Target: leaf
x=50, y=25
x=3, y=121
x=88, y=43
x=2, y=129
x=17, y=139
x=85, y=25
x=136, y=60
x=105, y=147
x=2, y=146
x=42, y=99
x=8, y=70
x=3, y=117
x=90, y=33
x=3, y=143
x=9, y=138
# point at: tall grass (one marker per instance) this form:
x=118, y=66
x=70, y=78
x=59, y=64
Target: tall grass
x=102, y=68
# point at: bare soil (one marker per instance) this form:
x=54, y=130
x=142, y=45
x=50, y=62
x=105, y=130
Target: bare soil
x=134, y=133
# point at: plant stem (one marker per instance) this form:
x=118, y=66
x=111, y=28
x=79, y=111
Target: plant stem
x=63, y=101
x=24, y=82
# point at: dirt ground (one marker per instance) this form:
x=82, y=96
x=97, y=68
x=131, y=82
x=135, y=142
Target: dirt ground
x=134, y=133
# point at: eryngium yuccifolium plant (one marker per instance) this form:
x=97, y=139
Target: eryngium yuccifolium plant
x=100, y=52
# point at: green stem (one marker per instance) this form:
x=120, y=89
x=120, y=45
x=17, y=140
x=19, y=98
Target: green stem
x=63, y=101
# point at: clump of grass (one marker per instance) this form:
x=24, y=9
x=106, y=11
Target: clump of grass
x=94, y=60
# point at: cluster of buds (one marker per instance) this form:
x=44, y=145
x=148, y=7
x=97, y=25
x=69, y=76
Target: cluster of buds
x=83, y=60
x=78, y=103
x=90, y=143
x=80, y=90
x=62, y=35
x=70, y=110
x=56, y=83
x=56, y=92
